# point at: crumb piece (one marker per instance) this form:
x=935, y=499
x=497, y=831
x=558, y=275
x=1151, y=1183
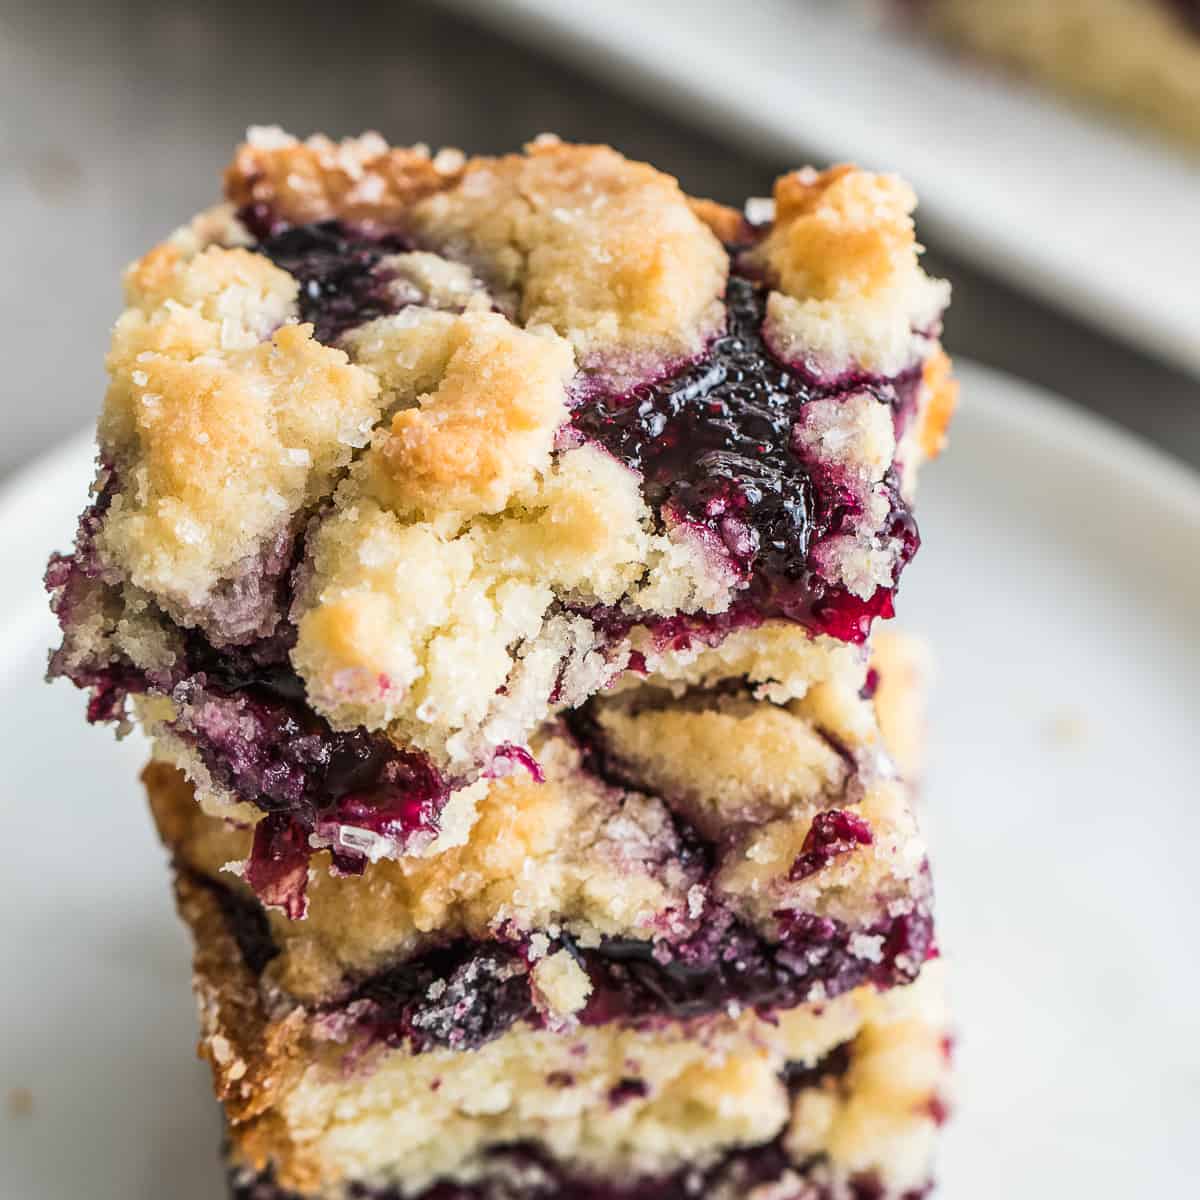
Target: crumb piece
x=562, y=983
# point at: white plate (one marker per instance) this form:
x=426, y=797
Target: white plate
x=1059, y=578
x=1088, y=215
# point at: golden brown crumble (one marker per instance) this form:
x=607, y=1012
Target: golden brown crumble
x=605, y=250
x=221, y=421
x=844, y=254
x=358, y=179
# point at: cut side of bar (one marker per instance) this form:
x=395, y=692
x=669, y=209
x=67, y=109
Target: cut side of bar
x=404, y=455
x=844, y=1096
x=697, y=952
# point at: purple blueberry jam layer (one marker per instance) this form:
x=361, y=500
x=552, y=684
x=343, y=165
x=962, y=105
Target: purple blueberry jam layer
x=715, y=448
x=242, y=710
x=465, y=994
x=343, y=281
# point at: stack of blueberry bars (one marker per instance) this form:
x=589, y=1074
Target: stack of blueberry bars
x=489, y=548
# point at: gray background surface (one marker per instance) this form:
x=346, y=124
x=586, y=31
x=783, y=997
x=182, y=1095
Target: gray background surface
x=118, y=117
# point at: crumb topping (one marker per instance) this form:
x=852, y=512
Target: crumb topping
x=478, y=401
x=358, y=179
x=843, y=253
x=605, y=250
x=222, y=422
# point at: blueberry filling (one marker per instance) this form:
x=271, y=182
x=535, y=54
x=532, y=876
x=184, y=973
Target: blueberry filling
x=242, y=709
x=457, y=997
x=727, y=962
x=467, y=993
x=714, y=446
x=337, y=267
x=256, y=737
x=246, y=921
x=833, y=833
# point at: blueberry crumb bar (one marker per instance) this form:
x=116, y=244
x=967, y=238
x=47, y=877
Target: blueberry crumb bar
x=405, y=455
x=491, y=549
x=694, y=970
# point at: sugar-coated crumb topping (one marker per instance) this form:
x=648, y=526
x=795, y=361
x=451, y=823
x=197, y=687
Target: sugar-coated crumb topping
x=843, y=253
x=478, y=401
x=605, y=250
x=358, y=179
x=222, y=422
x=300, y=1102
x=403, y=626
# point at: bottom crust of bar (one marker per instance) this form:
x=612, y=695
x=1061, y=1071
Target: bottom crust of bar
x=765, y=1172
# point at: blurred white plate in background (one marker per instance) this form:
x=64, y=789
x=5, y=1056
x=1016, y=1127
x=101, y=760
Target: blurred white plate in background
x=1077, y=209
x=1059, y=582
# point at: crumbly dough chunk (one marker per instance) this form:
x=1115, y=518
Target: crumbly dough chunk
x=605, y=250
x=222, y=422
x=478, y=401
x=843, y=254
x=449, y=640
x=358, y=179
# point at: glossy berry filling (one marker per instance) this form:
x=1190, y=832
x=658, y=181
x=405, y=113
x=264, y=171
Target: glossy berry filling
x=833, y=833
x=463, y=994
x=466, y=993
x=338, y=268
x=714, y=444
